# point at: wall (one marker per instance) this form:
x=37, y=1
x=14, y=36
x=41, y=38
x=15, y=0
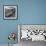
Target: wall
x=7, y=26
x=33, y=12
x=29, y=12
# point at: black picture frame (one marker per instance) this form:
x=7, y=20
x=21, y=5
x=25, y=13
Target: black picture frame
x=14, y=9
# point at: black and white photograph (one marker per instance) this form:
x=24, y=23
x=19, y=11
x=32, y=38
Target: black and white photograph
x=10, y=11
x=32, y=34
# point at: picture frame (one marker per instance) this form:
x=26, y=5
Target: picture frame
x=39, y=28
x=10, y=12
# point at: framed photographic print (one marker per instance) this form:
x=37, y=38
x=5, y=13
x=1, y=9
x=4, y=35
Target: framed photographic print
x=10, y=11
x=33, y=32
